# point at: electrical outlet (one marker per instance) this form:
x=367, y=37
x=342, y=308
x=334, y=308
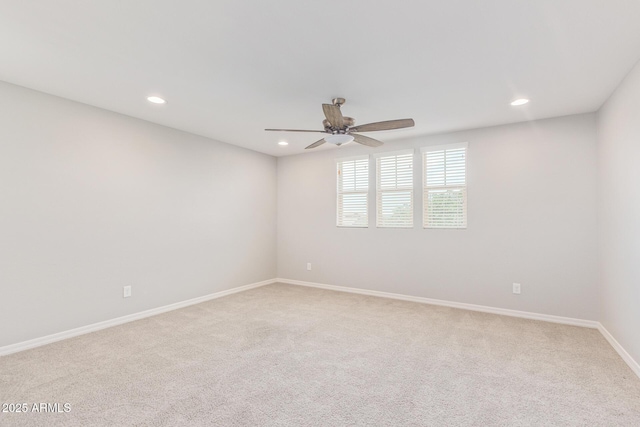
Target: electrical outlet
x=516, y=288
x=126, y=291
x=308, y=266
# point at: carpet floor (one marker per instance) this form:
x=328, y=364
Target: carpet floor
x=283, y=355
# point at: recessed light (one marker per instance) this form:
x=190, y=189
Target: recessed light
x=283, y=143
x=156, y=100
x=520, y=101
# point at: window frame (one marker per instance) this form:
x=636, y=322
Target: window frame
x=446, y=187
x=380, y=191
x=340, y=192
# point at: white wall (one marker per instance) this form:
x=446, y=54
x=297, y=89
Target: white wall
x=619, y=210
x=92, y=200
x=532, y=219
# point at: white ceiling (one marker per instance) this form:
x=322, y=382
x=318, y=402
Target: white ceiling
x=229, y=69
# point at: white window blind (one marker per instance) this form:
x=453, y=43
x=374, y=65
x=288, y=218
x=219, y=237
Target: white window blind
x=353, y=189
x=394, y=189
x=445, y=186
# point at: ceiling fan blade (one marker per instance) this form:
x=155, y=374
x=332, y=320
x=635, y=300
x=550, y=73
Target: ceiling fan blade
x=294, y=130
x=334, y=115
x=365, y=140
x=316, y=144
x=388, y=125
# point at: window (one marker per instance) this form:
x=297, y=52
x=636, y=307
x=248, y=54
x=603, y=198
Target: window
x=353, y=189
x=394, y=189
x=445, y=186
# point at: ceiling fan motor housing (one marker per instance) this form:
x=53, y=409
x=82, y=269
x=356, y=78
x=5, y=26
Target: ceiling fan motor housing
x=348, y=122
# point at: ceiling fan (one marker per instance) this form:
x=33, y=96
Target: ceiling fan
x=341, y=129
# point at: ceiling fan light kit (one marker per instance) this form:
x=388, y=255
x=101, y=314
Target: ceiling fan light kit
x=341, y=129
x=339, y=139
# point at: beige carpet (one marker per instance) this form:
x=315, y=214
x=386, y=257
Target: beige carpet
x=283, y=355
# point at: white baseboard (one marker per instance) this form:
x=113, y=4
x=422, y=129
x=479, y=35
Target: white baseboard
x=635, y=367
x=37, y=342
x=473, y=307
